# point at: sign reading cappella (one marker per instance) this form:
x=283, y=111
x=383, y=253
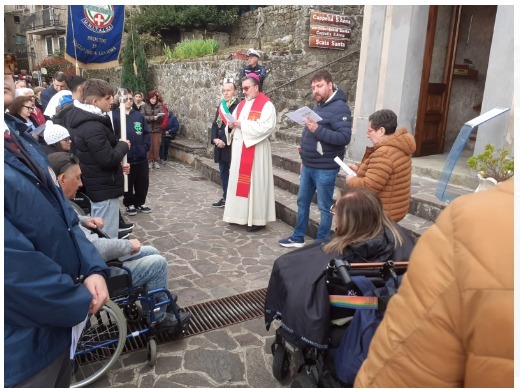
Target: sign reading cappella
x=328, y=30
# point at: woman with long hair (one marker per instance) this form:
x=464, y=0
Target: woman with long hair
x=298, y=291
x=364, y=233
x=153, y=113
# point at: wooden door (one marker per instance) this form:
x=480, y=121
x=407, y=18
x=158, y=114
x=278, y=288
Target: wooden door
x=434, y=96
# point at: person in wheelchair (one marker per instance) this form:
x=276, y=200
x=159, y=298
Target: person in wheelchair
x=363, y=233
x=149, y=269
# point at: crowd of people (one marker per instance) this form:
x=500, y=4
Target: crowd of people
x=67, y=137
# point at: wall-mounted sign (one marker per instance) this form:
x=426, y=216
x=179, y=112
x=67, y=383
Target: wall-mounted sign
x=327, y=43
x=331, y=19
x=330, y=32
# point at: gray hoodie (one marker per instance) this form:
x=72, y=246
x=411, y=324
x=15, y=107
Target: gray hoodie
x=108, y=248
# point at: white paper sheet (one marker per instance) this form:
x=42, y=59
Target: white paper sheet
x=76, y=335
x=302, y=114
x=342, y=164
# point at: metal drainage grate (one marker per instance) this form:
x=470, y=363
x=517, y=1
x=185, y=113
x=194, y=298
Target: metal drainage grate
x=207, y=316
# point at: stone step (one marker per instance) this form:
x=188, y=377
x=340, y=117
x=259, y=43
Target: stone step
x=424, y=203
x=286, y=199
x=424, y=207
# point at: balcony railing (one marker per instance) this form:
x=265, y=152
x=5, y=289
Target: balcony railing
x=49, y=18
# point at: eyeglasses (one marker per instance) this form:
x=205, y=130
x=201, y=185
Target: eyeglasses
x=333, y=208
x=373, y=129
x=32, y=109
x=67, y=139
x=246, y=88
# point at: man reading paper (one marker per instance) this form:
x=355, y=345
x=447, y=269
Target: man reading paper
x=321, y=142
x=250, y=192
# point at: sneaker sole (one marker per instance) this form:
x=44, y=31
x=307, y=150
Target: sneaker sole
x=219, y=206
x=145, y=211
x=298, y=245
x=129, y=229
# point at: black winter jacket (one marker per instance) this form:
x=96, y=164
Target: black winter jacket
x=100, y=153
x=334, y=132
x=219, y=154
x=136, y=132
x=297, y=292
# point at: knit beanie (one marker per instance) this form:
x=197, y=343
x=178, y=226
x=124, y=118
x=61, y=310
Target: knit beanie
x=54, y=133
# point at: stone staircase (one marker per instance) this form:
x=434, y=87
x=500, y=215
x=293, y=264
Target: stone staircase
x=424, y=207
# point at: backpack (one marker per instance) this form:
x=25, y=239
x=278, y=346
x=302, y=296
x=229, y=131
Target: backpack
x=172, y=125
x=354, y=345
x=164, y=123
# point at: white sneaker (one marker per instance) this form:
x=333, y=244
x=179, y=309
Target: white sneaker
x=156, y=165
x=150, y=165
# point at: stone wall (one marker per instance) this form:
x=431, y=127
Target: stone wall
x=192, y=88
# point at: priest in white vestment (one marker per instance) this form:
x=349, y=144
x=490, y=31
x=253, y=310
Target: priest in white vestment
x=250, y=193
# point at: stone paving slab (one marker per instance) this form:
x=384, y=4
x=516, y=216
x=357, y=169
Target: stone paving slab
x=207, y=259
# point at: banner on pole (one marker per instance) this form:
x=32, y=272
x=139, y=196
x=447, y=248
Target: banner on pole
x=94, y=35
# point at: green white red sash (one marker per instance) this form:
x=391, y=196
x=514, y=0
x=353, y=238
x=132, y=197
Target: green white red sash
x=248, y=153
x=223, y=109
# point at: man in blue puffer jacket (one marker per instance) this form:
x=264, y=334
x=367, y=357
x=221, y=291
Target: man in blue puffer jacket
x=53, y=275
x=321, y=142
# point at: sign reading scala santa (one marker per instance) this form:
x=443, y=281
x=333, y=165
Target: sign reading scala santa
x=329, y=31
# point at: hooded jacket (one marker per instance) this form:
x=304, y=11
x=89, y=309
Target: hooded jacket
x=46, y=258
x=136, y=132
x=451, y=324
x=333, y=134
x=297, y=292
x=100, y=153
x=386, y=169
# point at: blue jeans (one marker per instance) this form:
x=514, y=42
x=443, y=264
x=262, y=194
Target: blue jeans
x=224, y=175
x=109, y=211
x=312, y=180
x=149, y=269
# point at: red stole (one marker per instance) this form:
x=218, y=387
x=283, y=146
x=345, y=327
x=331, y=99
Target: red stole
x=248, y=153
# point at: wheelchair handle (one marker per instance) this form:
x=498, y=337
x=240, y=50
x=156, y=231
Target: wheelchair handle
x=342, y=267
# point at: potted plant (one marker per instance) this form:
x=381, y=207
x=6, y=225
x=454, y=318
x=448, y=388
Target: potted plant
x=492, y=166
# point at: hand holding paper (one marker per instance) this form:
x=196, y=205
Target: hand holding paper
x=229, y=117
x=342, y=164
x=302, y=114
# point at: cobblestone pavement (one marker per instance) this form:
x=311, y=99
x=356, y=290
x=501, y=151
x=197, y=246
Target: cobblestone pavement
x=207, y=259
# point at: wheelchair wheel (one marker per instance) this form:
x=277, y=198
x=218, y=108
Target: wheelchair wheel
x=151, y=348
x=133, y=312
x=99, y=346
x=281, y=362
x=304, y=381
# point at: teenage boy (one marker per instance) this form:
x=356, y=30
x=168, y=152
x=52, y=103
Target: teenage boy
x=139, y=136
x=100, y=152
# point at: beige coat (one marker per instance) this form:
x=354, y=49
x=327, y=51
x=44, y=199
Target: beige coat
x=451, y=323
x=387, y=170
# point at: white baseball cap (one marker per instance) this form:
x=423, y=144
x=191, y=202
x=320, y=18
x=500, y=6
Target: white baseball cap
x=253, y=52
x=54, y=133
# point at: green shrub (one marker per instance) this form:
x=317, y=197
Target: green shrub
x=192, y=49
x=493, y=163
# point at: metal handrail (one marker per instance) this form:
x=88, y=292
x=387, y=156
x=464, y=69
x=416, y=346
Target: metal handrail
x=311, y=72
x=457, y=148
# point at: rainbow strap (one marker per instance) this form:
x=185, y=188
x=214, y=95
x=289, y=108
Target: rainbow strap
x=353, y=302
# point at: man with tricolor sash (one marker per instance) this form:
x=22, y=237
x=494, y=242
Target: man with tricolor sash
x=219, y=131
x=250, y=193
